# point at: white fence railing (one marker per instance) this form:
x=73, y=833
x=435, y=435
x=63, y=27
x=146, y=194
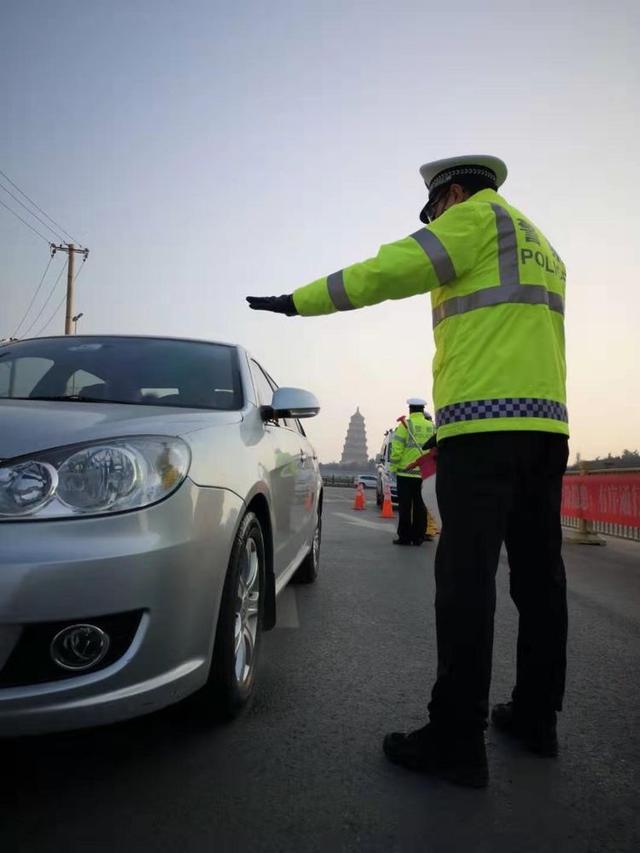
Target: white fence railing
x=622, y=531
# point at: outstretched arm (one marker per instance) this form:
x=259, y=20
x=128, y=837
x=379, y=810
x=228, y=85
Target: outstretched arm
x=429, y=258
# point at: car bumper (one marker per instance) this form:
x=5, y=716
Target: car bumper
x=166, y=564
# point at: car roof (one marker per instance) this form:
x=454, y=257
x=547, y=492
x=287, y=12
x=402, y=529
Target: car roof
x=128, y=338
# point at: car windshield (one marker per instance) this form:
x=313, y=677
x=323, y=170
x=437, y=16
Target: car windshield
x=140, y=371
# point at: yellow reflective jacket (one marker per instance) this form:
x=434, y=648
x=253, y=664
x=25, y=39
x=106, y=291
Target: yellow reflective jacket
x=406, y=445
x=497, y=298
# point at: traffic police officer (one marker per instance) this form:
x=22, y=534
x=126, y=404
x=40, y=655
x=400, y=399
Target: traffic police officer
x=406, y=447
x=497, y=290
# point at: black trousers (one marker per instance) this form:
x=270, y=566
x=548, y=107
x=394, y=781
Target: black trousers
x=412, y=513
x=494, y=488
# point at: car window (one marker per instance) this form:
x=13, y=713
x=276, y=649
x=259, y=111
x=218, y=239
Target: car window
x=27, y=372
x=142, y=371
x=81, y=381
x=158, y=393
x=265, y=386
x=5, y=379
x=262, y=384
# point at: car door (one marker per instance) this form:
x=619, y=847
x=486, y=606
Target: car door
x=287, y=479
x=308, y=484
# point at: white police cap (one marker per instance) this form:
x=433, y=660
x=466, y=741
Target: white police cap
x=416, y=401
x=440, y=172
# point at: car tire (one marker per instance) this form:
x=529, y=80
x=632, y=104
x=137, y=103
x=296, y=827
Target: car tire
x=307, y=571
x=232, y=675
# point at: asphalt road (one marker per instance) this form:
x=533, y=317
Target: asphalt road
x=353, y=657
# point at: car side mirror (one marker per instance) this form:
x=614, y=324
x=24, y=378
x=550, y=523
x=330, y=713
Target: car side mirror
x=294, y=403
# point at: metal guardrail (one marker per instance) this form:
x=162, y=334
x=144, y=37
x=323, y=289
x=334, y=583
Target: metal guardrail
x=621, y=531
x=339, y=480
x=602, y=471
x=589, y=528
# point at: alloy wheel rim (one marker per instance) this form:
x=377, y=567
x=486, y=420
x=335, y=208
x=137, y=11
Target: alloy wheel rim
x=247, y=609
x=316, y=546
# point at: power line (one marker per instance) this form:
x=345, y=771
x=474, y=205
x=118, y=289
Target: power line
x=59, y=306
x=76, y=276
x=37, y=207
x=56, y=234
x=46, y=302
x=52, y=317
x=33, y=298
x=17, y=215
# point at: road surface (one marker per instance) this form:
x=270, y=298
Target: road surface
x=352, y=658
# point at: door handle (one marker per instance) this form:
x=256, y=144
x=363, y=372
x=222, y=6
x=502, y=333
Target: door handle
x=303, y=457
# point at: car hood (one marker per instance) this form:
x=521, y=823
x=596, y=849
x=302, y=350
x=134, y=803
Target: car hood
x=28, y=426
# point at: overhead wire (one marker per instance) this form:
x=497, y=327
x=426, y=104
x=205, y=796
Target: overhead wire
x=55, y=233
x=59, y=306
x=34, y=297
x=52, y=317
x=35, y=230
x=46, y=302
x=43, y=212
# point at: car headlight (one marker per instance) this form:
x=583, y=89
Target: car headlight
x=26, y=487
x=93, y=479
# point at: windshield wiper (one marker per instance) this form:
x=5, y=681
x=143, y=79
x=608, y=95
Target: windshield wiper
x=76, y=398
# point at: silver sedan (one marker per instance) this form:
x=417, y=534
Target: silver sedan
x=156, y=496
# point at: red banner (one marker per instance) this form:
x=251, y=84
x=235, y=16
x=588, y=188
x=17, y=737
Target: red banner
x=602, y=497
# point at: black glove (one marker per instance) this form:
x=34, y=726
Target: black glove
x=279, y=304
x=430, y=443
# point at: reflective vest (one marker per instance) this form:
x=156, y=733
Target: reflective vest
x=497, y=302
x=406, y=444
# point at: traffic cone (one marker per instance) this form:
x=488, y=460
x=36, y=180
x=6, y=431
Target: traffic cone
x=387, y=505
x=359, y=502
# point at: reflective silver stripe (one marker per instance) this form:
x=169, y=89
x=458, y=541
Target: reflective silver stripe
x=556, y=302
x=510, y=289
x=507, y=247
x=337, y=292
x=437, y=254
x=527, y=294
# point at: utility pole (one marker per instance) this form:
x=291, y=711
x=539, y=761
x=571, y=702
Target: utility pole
x=71, y=250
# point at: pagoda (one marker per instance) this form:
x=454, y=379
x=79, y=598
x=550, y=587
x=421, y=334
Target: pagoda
x=354, y=451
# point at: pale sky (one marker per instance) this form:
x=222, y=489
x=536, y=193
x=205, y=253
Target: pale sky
x=205, y=151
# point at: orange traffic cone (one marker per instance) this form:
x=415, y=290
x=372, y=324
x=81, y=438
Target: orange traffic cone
x=359, y=502
x=387, y=506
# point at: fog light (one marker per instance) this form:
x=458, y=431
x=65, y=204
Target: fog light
x=79, y=647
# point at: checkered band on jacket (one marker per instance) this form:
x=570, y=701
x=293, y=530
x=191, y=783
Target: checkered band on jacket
x=508, y=407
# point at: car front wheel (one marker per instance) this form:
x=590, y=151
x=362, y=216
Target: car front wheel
x=307, y=572
x=235, y=655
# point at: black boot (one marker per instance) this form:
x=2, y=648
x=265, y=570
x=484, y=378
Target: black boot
x=461, y=759
x=537, y=733
x=402, y=541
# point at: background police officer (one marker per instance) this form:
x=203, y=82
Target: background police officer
x=406, y=446
x=497, y=302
